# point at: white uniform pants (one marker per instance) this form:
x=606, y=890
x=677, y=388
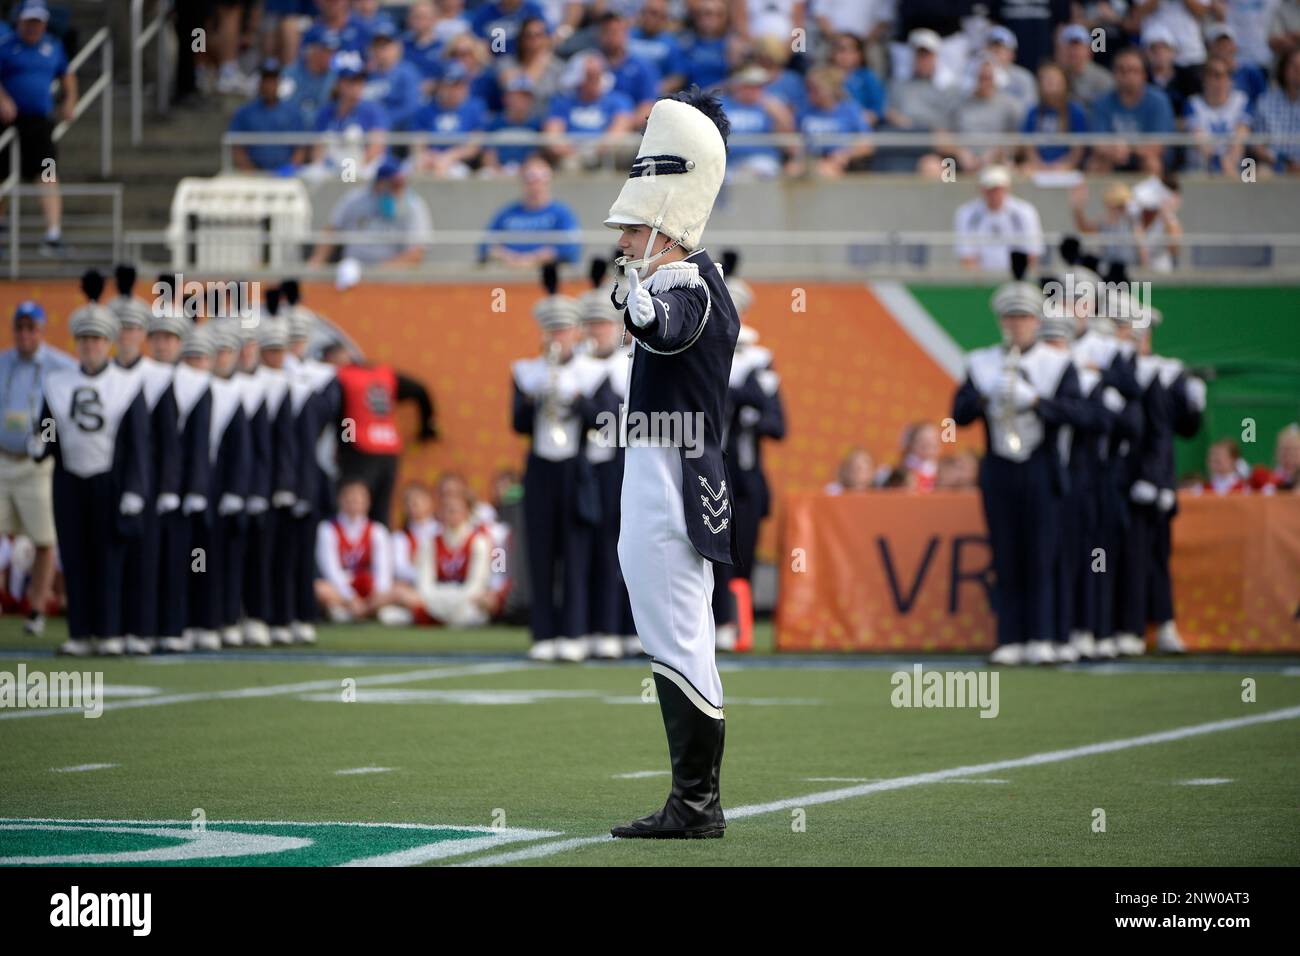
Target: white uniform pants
x=670, y=585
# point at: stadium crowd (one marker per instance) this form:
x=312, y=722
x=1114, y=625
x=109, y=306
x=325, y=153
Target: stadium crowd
x=477, y=72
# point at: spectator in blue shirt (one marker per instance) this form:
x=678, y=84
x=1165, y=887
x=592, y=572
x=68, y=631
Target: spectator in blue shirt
x=373, y=19
x=266, y=114
x=29, y=64
x=1278, y=114
x=754, y=111
x=1055, y=112
x=653, y=40
x=1134, y=107
x=309, y=83
x=472, y=53
x=423, y=44
x=337, y=17
x=592, y=111
x=498, y=21
x=633, y=76
x=357, y=126
x=392, y=82
x=1221, y=41
x=452, y=110
x=705, y=49
x=519, y=116
x=860, y=80
x=535, y=212
x=830, y=111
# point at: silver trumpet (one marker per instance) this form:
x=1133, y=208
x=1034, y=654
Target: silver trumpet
x=1011, y=434
x=553, y=410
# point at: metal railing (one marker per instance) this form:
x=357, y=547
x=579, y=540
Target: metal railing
x=9, y=141
x=141, y=35
x=101, y=90
x=610, y=149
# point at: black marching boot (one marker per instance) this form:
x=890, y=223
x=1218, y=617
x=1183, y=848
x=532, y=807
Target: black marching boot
x=694, y=806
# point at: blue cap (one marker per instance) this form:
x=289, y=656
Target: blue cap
x=270, y=65
x=348, y=63
x=454, y=72
x=30, y=309
x=389, y=168
x=318, y=35
x=1075, y=33
x=1001, y=35
x=384, y=30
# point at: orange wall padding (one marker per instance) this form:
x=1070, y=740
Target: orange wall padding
x=850, y=375
x=1234, y=574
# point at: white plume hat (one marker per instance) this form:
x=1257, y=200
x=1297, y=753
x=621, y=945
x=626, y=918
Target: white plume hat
x=676, y=175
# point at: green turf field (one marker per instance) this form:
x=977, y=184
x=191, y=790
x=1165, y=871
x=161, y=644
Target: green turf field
x=476, y=755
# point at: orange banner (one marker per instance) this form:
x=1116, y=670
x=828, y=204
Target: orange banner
x=892, y=571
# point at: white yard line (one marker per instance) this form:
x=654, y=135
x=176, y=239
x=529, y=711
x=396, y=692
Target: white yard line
x=82, y=767
x=275, y=690
x=920, y=779
x=358, y=771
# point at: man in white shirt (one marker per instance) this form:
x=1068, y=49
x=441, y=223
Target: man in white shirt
x=1011, y=223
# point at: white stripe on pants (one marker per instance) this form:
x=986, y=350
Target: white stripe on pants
x=670, y=585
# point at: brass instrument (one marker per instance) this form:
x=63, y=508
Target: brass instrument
x=1010, y=369
x=553, y=411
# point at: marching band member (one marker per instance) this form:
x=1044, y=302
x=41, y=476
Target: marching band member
x=142, y=599
x=553, y=404
x=95, y=423
x=612, y=630
x=1023, y=395
x=677, y=512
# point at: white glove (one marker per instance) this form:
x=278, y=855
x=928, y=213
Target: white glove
x=132, y=504
x=1143, y=492
x=230, y=505
x=301, y=509
x=284, y=499
x=256, y=505
x=1017, y=393
x=1166, y=499
x=193, y=504
x=1196, y=393
x=1112, y=399
x=168, y=503
x=769, y=381
x=749, y=416
x=639, y=304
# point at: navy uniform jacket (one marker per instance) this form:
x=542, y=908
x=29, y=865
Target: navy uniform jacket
x=682, y=363
x=193, y=397
x=165, y=465
x=101, y=428
x=753, y=413
x=230, y=445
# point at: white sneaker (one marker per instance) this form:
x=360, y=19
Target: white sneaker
x=1066, y=653
x=340, y=615
x=1168, y=641
x=34, y=626
x=76, y=647
x=1107, y=649
x=232, y=636
x=139, y=645
x=303, y=632
x=1130, y=645
x=632, y=646
x=281, y=635
x=1040, y=652
x=571, y=649
x=230, y=82
x=542, y=651
x=177, y=645
x=256, y=633
x=606, y=647
x=205, y=640
x=394, y=615
x=725, y=637
x=1084, y=644
x=110, y=647
x=1008, y=655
